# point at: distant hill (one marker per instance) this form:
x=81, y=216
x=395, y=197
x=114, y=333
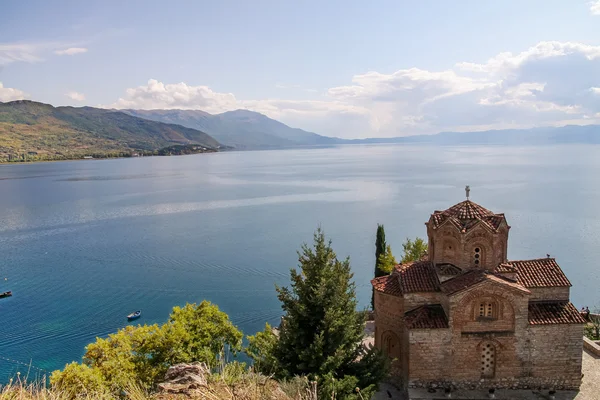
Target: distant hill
x=250, y=130
x=583, y=134
x=241, y=129
x=42, y=131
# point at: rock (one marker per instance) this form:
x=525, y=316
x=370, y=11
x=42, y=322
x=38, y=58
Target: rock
x=182, y=378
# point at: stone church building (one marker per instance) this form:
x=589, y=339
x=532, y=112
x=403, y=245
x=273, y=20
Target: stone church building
x=467, y=317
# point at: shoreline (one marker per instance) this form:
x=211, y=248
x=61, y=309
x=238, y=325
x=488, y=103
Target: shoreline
x=103, y=158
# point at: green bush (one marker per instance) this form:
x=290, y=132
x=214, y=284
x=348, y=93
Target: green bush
x=142, y=354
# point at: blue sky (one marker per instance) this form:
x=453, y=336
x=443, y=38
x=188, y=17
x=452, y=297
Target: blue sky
x=341, y=68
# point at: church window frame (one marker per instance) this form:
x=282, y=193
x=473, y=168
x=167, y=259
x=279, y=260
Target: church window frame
x=485, y=309
x=477, y=256
x=390, y=344
x=489, y=357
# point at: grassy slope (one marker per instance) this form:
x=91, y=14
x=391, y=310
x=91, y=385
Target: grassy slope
x=67, y=132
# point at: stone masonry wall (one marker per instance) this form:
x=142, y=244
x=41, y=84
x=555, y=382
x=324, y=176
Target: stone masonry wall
x=556, y=352
x=430, y=351
x=550, y=293
x=449, y=245
x=389, y=321
x=414, y=300
x=526, y=356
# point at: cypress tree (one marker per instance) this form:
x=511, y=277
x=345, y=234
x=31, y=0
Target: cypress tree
x=321, y=332
x=380, y=248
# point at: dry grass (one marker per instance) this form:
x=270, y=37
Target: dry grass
x=246, y=387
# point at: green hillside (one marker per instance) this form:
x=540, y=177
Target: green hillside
x=36, y=131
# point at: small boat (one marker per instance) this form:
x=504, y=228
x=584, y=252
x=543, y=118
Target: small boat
x=6, y=294
x=134, y=315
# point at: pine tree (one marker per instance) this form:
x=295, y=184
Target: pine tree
x=321, y=332
x=380, y=249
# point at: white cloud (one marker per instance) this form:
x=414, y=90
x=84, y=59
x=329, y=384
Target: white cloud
x=13, y=52
x=10, y=94
x=34, y=51
x=595, y=7
x=75, y=96
x=156, y=94
x=551, y=83
x=71, y=51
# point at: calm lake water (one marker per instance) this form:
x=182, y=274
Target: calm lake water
x=84, y=243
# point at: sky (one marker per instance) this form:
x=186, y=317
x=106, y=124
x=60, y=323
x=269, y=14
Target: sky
x=350, y=69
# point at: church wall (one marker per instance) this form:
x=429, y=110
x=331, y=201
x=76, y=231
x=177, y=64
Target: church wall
x=449, y=245
x=510, y=310
x=414, y=300
x=389, y=325
x=556, y=352
x=550, y=293
x=429, y=353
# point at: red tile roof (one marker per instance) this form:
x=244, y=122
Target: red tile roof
x=466, y=215
x=463, y=281
x=387, y=284
x=418, y=276
x=559, y=312
x=505, y=268
x=430, y=316
x=543, y=272
x=473, y=277
x=448, y=269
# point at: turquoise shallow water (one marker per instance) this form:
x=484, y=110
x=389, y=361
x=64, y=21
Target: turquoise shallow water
x=84, y=243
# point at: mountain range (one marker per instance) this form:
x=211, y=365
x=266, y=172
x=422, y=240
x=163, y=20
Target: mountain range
x=583, y=134
x=245, y=129
x=44, y=132
x=241, y=129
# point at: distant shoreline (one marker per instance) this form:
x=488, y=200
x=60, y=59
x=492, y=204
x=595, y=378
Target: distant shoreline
x=2, y=162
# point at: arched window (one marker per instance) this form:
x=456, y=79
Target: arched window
x=390, y=345
x=488, y=360
x=486, y=309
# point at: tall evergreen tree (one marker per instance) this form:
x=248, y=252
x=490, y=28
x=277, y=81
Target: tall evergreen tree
x=380, y=249
x=321, y=332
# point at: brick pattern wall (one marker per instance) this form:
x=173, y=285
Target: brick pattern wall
x=389, y=316
x=556, y=352
x=550, y=293
x=414, y=300
x=526, y=356
x=429, y=352
x=449, y=245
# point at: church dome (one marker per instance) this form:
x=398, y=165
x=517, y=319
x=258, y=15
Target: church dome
x=466, y=215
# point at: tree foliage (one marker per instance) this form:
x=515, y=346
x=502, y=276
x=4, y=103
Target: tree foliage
x=387, y=261
x=321, y=332
x=592, y=328
x=142, y=354
x=380, y=247
x=414, y=250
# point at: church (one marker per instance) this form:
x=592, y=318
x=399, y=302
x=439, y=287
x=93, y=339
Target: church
x=466, y=317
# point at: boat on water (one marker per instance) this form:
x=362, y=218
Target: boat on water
x=6, y=294
x=134, y=315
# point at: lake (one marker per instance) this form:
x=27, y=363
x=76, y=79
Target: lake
x=84, y=243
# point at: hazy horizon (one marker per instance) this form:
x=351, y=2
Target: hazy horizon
x=342, y=69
